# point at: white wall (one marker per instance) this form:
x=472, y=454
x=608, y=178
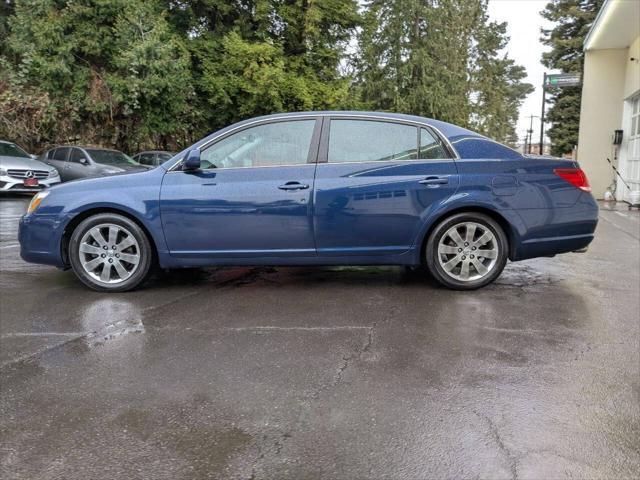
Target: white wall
x=630, y=163
x=604, y=78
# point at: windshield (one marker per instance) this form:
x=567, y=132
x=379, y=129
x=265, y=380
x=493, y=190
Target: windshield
x=111, y=157
x=12, y=150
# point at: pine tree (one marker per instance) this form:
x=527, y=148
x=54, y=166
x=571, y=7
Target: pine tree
x=439, y=59
x=573, y=20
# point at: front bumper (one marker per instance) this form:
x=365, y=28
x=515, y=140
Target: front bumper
x=13, y=184
x=40, y=238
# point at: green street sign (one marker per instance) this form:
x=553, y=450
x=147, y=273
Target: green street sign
x=560, y=80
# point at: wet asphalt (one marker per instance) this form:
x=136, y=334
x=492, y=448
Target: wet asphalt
x=297, y=373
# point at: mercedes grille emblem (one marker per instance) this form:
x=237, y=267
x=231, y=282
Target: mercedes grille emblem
x=30, y=174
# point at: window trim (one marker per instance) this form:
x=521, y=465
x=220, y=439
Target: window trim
x=322, y=121
x=82, y=152
x=324, y=141
x=66, y=157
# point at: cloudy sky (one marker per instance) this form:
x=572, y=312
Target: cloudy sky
x=524, y=23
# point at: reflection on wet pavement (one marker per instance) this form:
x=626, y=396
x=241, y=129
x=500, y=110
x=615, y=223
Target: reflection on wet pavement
x=325, y=372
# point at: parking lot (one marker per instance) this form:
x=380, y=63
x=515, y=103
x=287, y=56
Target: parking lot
x=325, y=372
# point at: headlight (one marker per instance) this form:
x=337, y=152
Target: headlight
x=53, y=173
x=3, y=172
x=36, y=201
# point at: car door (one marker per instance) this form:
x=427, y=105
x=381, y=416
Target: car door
x=58, y=158
x=376, y=181
x=78, y=165
x=252, y=196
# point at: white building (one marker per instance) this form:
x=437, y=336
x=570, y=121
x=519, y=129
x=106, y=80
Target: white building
x=611, y=99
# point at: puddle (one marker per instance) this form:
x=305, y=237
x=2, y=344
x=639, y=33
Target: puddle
x=110, y=318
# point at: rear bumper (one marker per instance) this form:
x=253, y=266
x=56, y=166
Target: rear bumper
x=558, y=230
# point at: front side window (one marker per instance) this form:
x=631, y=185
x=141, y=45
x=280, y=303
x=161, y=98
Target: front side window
x=280, y=143
x=431, y=147
x=371, y=141
x=146, y=158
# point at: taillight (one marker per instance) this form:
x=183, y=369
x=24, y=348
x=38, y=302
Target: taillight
x=575, y=176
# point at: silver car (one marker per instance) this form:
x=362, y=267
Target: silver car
x=153, y=158
x=20, y=172
x=75, y=162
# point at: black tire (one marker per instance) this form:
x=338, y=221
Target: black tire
x=143, y=249
x=448, y=279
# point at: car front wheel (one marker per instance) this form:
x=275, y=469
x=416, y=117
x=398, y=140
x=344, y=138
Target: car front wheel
x=110, y=253
x=467, y=251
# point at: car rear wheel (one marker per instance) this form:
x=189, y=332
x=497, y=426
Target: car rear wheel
x=110, y=253
x=467, y=251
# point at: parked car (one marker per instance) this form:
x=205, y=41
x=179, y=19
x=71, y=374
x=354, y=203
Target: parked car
x=75, y=162
x=152, y=158
x=19, y=172
x=319, y=188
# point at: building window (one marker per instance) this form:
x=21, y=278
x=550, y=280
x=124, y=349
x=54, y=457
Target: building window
x=635, y=118
x=631, y=167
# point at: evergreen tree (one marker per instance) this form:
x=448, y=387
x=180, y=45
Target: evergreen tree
x=6, y=9
x=497, y=87
x=573, y=19
x=265, y=56
x=162, y=73
x=441, y=59
x=113, y=72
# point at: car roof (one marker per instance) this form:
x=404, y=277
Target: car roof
x=447, y=129
x=155, y=151
x=85, y=147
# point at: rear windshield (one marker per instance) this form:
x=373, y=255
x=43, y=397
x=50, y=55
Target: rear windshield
x=111, y=157
x=12, y=150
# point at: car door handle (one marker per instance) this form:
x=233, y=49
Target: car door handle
x=434, y=181
x=293, y=186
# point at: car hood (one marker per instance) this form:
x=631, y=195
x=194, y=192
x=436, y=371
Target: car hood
x=23, y=163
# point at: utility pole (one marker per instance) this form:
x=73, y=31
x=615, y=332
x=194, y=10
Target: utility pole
x=544, y=91
x=530, y=131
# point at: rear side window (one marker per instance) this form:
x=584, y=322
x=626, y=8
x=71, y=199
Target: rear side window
x=431, y=147
x=371, y=141
x=146, y=158
x=60, y=154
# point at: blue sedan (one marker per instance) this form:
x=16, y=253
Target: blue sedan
x=318, y=188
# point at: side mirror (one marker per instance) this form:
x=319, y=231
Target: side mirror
x=33, y=157
x=84, y=161
x=192, y=161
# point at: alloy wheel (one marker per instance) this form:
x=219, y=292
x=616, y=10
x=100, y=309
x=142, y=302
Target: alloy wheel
x=468, y=251
x=109, y=253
